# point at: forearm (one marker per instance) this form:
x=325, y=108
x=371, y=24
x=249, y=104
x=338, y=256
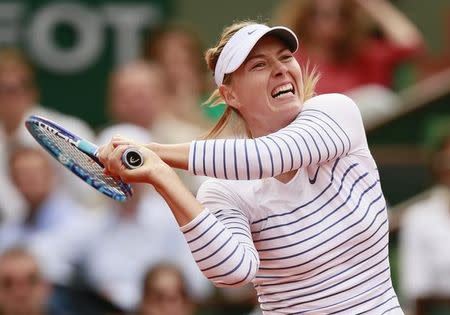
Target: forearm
x=175, y=155
x=394, y=24
x=185, y=207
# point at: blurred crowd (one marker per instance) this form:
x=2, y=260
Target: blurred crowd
x=66, y=249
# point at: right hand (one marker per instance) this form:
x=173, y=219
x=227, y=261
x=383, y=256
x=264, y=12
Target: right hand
x=154, y=171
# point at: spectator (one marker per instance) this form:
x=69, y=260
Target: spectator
x=138, y=99
x=180, y=52
x=19, y=99
x=137, y=94
x=425, y=236
x=54, y=227
x=335, y=38
x=23, y=290
x=165, y=292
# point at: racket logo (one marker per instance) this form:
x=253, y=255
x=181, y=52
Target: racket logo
x=134, y=160
x=57, y=133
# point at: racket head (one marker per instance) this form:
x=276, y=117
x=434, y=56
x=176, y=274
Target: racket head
x=77, y=155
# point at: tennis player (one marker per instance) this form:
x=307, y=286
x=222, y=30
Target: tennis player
x=297, y=207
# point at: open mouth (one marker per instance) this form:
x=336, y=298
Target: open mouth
x=283, y=90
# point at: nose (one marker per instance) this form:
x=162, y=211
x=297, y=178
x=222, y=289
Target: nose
x=279, y=68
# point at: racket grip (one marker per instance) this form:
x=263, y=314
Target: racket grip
x=132, y=158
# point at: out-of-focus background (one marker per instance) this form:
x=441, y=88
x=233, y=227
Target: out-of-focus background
x=136, y=68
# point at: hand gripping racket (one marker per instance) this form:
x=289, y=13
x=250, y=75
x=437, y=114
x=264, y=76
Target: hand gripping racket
x=80, y=156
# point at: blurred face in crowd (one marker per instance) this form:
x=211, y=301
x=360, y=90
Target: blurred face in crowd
x=180, y=56
x=326, y=21
x=164, y=294
x=17, y=93
x=32, y=174
x=22, y=290
x=266, y=88
x=137, y=94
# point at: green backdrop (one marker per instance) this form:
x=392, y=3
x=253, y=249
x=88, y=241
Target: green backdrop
x=75, y=44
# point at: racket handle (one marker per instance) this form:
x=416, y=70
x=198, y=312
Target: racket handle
x=132, y=158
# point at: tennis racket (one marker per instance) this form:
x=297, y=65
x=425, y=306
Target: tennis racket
x=80, y=156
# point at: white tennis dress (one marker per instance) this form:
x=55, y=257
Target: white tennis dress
x=315, y=245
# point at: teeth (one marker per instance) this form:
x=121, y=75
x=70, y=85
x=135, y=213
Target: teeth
x=283, y=89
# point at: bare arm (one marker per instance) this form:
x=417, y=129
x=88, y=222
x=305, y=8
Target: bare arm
x=394, y=24
x=175, y=155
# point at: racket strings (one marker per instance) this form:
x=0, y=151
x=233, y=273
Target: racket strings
x=87, y=167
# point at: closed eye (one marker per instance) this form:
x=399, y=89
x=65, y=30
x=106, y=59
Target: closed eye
x=287, y=57
x=258, y=65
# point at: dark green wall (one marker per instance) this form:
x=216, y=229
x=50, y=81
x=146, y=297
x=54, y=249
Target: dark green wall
x=76, y=90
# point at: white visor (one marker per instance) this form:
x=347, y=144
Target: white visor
x=242, y=42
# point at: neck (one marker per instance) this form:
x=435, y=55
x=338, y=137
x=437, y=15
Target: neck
x=259, y=126
x=263, y=127
x=286, y=177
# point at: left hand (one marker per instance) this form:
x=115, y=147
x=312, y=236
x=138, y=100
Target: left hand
x=154, y=171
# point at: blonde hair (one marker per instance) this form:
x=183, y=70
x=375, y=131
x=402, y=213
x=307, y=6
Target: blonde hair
x=309, y=79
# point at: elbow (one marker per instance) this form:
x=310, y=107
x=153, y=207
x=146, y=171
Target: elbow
x=237, y=277
x=237, y=280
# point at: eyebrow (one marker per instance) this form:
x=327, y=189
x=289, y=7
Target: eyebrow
x=262, y=55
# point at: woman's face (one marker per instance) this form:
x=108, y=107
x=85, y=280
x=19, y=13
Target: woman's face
x=16, y=92
x=165, y=295
x=33, y=175
x=266, y=88
x=327, y=22
x=180, y=57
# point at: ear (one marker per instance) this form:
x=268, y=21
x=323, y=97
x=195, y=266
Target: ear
x=229, y=96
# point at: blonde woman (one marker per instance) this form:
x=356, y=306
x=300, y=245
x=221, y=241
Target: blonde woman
x=297, y=208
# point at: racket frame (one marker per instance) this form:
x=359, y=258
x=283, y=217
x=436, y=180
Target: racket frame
x=84, y=146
